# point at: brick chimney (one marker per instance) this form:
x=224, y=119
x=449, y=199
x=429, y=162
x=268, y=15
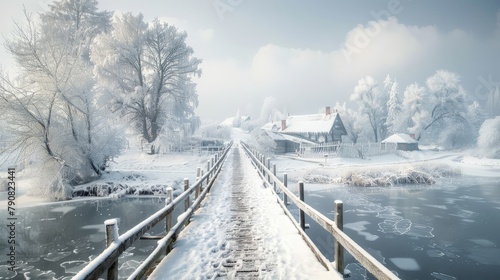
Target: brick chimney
x=327, y=111
x=283, y=124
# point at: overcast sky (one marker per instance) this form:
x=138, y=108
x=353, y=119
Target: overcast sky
x=310, y=54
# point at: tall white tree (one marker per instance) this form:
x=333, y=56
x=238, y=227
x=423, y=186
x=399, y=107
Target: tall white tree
x=413, y=104
x=52, y=105
x=269, y=111
x=393, y=109
x=351, y=121
x=373, y=103
x=147, y=68
x=443, y=114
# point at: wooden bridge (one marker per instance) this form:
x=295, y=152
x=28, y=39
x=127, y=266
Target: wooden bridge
x=248, y=236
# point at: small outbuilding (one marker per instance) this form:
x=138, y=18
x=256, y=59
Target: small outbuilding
x=404, y=142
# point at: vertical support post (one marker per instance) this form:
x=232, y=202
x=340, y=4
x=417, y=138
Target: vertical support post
x=197, y=190
x=339, y=249
x=216, y=161
x=268, y=166
x=285, y=182
x=302, y=220
x=168, y=220
x=201, y=183
x=208, y=171
x=274, y=173
x=212, y=164
x=261, y=167
x=112, y=236
x=198, y=172
x=186, y=187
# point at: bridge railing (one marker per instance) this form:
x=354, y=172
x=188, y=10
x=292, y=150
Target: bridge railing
x=107, y=261
x=342, y=241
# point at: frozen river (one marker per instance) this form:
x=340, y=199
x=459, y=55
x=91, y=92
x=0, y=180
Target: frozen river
x=55, y=241
x=445, y=231
x=450, y=230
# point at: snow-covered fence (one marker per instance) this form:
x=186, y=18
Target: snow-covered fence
x=342, y=241
x=107, y=261
x=347, y=150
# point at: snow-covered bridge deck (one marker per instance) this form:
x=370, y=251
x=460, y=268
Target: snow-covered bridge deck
x=240, y=232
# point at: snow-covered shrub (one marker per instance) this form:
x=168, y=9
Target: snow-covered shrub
x=381, y=177
x=488, y=142
x=215, y=131
x=456, y=137
x=373, y=176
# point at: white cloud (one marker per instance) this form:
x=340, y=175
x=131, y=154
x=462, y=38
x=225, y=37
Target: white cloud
x=304, y=80
x=206, y=35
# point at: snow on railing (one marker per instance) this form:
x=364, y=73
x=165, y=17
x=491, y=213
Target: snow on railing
x=107, y=261
x=268, y=172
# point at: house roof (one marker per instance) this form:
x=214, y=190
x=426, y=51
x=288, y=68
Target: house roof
x=399, y=138
x=280, y=136
x=317, y=123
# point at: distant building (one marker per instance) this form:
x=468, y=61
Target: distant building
x=403, y=141
x=293, y=131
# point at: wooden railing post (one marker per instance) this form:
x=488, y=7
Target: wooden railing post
x=263, y=161
x=274, y=173
x=268, y=166
x=168, y=220
x=208, y=172
x=197, y=190
x=285, y=182
x=186, y=187
x=112, y=236
x=339, y=249
x=302, y=220
x=201, y=183
x=198, y=172
x=212, y=164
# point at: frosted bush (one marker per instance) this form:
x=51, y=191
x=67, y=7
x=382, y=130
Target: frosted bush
x=488, y=142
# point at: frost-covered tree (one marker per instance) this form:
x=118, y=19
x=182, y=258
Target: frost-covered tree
x=53, y=106
x=372, y=102
x=393, y=109
x=269, y=111
x=351, y=121
x=237, y=119
x=79, y=21
x=444, y=108
x=147, y=69
x=412, y=106
x=488, y=142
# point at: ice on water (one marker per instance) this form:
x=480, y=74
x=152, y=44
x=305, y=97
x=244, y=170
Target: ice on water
x=360, y=228
x=442, y=276
x=73, y=267
x=63, y=209
x=408, y=264
x=54, y=257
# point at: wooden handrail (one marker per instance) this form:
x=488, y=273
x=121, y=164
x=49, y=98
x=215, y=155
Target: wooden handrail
x=109, y=257
x=376, y=268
